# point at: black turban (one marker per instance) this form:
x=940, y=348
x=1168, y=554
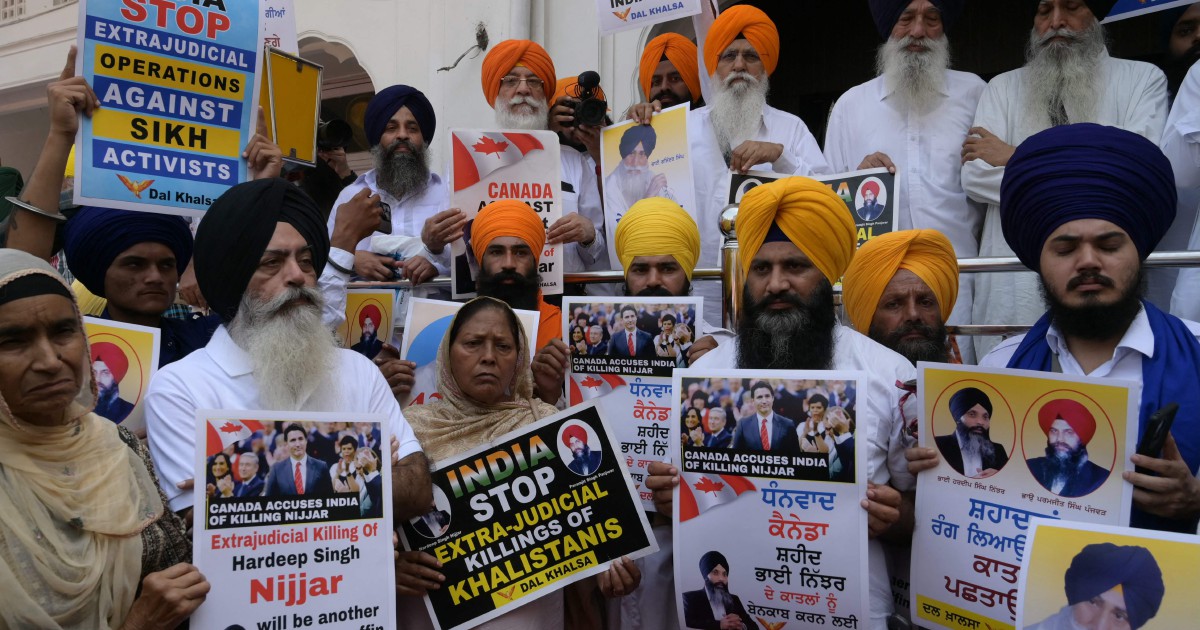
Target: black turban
x=1101, y=567
x=94, y=237
x=385, y=104
x=1085, y=171
x=888, y=12
x=643, y=134
x=965, y=399
x=236, y=231
x=710, y=560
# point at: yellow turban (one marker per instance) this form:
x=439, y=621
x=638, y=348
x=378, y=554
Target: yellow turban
x=926, y=253
x=509, y=54
x=681, y=52
x=566, y=87
x=748, y=22
x=658, y=227
x=507, y=217
x=808, y=212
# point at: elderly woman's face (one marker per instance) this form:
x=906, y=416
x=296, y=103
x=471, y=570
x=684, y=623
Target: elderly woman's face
x=42, y=355
x=483, y=358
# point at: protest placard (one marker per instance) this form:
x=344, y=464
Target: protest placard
x=487, y=166
x=525, y=515
x=424, y=326
x=299, y=534
x=1014, y=445
x=291, y=100
x=622, y=356
x=867, y=194
x=368, y=323
x=641, y=161
x=1108, y=577
x=767, y=517
x=178, y=96
x=622, y=15
x=1124, y=9
x=124, y=359
x=279, y=25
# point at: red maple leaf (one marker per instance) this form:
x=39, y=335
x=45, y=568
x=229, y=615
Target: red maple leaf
x=487, y=145
x=708, y=485
x=230, y=427
x=591, y=381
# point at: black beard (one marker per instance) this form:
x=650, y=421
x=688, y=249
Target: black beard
x=1096, y=322
x=931, y=346
x=1176, y=69
x=671, y=100
x=401, y=173
x=981, y=440
x=367, y=338
x=521, y=294
x=1062, y=466
x=800, y=338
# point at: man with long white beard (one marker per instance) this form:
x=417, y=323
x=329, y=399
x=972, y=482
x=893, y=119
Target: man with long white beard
x=795, y=240
x=258, y=253
x=912, y=119
x=1068, y=77
x=399, y=123
x=632, y=180
x=737, y=131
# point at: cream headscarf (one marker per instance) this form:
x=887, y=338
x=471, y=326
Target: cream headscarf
x=74, y=500
x=457, y=423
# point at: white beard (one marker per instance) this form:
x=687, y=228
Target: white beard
x=1063, y=74
x=633, y=182
x=292, y=352
x=535, y=121
x=737, y=110
x=917, y=78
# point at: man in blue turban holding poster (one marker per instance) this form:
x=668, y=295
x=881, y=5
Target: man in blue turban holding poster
x=1083, y=205
x=1109, y=586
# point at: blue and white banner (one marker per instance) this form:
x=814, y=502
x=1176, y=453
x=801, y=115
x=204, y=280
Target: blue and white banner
x=1132, y=8
x=622, y=15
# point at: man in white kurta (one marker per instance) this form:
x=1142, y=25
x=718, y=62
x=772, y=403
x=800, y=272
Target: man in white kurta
x=1181, y=144
x=913, y=119
x=1090, y=87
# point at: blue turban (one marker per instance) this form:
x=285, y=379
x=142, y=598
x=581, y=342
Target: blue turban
x=711, y=560
x=94, y=237
x=643, y=134
x=385, y=104
x=888, y=12
x=1101, y=567
x=1085, y=171
x=965, y=399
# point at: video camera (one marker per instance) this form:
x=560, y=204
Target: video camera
x=590, y=110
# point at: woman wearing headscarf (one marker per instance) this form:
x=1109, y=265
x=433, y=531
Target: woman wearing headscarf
x=487, y=391
x=85, y=541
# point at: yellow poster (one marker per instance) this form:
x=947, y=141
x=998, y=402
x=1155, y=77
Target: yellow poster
x=124, y=358
x=1013, y=445
x=291, y=99
x=368, y=324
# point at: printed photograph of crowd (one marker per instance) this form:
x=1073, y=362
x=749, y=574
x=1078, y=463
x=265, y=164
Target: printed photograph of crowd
x=648, y=331
x=293, y=459
x=776, y=415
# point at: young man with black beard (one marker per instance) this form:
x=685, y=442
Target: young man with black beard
x=795, y=239
x=1181, y=34
x=669, y=72
x=1083, y=205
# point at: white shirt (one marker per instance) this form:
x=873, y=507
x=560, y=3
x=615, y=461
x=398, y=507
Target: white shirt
x=408, y=215
x=1134, y=98
x=220, y=376
x=801, y=156
x=879, y=421
x=579, y=172
x=925, y=149
x=1181, y=144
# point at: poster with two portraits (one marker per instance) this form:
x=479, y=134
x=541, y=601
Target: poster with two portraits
x=769, y=532
x=1013, y=446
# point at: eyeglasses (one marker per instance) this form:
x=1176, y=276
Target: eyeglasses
x=511, y=83
x=731, y=56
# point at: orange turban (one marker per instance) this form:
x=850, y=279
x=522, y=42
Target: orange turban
x=509, y=54
x=507, y=217
x=566, y=87
x=681, y=52
x=926, y=253
x=808, y=212
x=113, y=357
x=748, y=22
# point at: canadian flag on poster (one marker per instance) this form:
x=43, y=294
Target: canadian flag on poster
x=699, y=492
x=585, y=387
x=222, y=433
x=488, y=152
